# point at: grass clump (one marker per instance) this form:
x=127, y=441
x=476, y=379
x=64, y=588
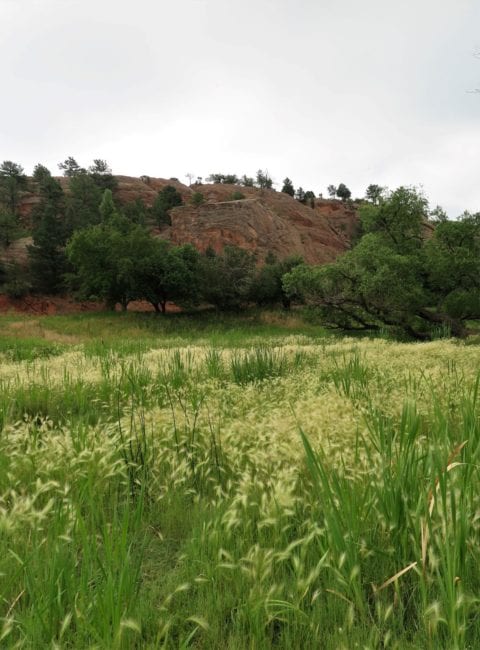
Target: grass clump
x=257, y=364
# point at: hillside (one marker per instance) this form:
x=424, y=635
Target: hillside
x=265, y=221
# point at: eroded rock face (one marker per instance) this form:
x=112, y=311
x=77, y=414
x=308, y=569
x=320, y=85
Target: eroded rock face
x=264, y=221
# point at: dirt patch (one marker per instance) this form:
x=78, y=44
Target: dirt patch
x=47, y=305
x=35, y=329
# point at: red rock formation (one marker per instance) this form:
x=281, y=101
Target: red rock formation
x=264, y=221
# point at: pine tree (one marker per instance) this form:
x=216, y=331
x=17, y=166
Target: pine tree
x=83, y=201
x=12, y=183
x=288, y=187
x=47, y=255
x=108, y=210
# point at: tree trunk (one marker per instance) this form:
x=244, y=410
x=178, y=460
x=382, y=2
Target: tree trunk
x=163, y=305
x=286, y=303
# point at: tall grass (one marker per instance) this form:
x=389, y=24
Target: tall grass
x=285, y=495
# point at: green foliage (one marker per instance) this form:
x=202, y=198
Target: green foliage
x=300, y=195
x=99, y=172
x=47, y=260
x=118, y=261
x=13, y=183
x=236, y=196
x=258, y=364
x=166, y=199
x=102, y=176
x=263, y=180
x=9, y=227
x=99, y=166
x=136, y=211
x=399, y=220
x=438, y=214
x=374, y=193
x=108, y=210
x=82, y=203
x=288, y=187
x=166, y=273
x=227, y=278
x=227, y=179
x=71, y=168
x=395, y=277
x=247, y=181
x=267, y=287
x=40, y=174
x=332, y=191
x=357, y=291
x=197, y=199
x=105, y=257
x=343, y=192
x=453, y=266
x=309, y=198
x=15, y=281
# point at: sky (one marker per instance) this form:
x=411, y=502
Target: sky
x=321, y=91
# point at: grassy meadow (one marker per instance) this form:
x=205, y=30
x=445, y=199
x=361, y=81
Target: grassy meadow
x=235, y=483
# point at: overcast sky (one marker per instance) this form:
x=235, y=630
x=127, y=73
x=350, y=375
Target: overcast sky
x=324, y=91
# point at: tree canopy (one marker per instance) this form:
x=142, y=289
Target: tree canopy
x=47, y=260
x=399, y=275
x=343, y=192
x=288, y=187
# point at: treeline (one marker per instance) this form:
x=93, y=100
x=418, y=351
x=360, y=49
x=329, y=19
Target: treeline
x=263, y=180
x=411, y=270
x=87, y=245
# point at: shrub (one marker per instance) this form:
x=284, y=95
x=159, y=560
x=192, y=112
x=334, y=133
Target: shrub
x=236, y=196
x=197, y=199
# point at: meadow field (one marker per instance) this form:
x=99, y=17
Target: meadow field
x=235, y=483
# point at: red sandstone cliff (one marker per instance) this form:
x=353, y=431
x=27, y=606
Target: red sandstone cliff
x=265, y=221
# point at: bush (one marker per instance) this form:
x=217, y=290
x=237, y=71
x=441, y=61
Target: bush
x=15, y=282
x=167, y=199
x=17, y=288
x=236, y=196
x=197, y=199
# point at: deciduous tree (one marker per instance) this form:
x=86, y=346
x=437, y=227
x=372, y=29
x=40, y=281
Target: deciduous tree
x=227, y=278
x=343, y=192
x=375, y=193
x=395, y=276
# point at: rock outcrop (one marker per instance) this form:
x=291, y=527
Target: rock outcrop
x=264, y=221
